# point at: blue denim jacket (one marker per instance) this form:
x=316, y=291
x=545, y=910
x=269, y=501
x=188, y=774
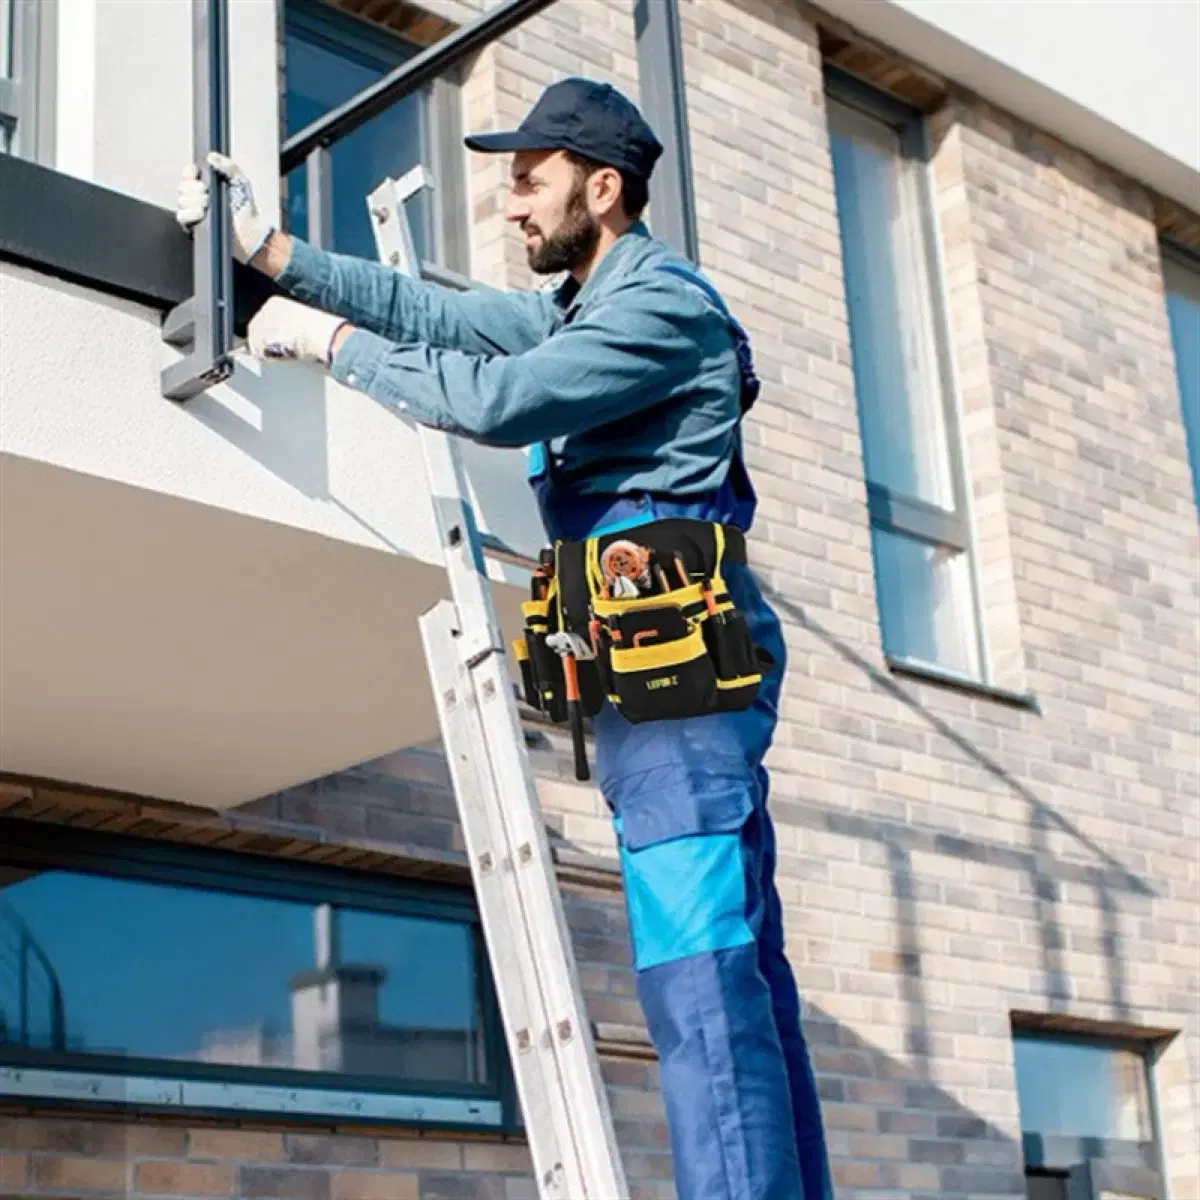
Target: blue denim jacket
x=632, y=379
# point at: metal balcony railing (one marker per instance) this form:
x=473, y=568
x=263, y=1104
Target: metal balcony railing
x=32, y=1013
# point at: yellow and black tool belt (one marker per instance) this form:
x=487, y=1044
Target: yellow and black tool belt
x=643, y=618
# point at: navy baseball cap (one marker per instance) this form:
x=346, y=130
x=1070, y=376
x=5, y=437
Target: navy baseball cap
x=588, y=118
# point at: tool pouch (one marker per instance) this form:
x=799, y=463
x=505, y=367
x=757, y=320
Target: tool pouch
x=542, y=674
x=683, y=652
x=543, y=679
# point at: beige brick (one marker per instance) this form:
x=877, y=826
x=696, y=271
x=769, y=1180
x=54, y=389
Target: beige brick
x=422, y=1155
x=368, y=1185
x=156, y=1141
x=85, y=1174
x=497, y=1158
x=237, y=1144
x=184, y=1179
x=14, y=1170
x=92, y=1138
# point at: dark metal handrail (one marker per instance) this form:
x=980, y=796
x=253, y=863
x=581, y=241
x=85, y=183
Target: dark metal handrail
x=204, y=324
x=409, y=77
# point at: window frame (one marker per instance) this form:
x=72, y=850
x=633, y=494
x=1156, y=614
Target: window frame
x=77, y=1077
x=889, y=510
x=441, y=121
x=27, y=95
x=1064, y=1156
x=1186, y=258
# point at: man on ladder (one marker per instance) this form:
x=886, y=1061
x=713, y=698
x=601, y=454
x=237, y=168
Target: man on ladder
x=630, y=381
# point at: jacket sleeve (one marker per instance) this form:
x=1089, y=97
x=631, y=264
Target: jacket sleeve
x=394, y=306
x=624, y=356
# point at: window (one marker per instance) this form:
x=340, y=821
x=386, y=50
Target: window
x=1084, y=1102
x=923, y=573
x=331, y=57
x=157, y=976
x=1181, y=273
x=26, y=98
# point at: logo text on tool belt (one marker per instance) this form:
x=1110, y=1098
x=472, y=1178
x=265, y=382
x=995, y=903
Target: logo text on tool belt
x=667, y=681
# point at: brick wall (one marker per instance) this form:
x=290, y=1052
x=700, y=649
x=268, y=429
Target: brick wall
x=946, y=859
x=104, y=1159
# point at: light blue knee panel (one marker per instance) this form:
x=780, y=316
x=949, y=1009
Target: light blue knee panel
x=685, y=896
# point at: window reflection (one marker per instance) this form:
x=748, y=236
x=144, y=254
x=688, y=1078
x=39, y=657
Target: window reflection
x=889, y=300
x=149, y=971
x=326, y=63
x=924, y=596
x=1080, y=1089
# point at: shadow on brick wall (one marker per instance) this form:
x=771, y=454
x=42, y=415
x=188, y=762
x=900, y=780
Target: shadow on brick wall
x=889, y=1127
x=1046, y=871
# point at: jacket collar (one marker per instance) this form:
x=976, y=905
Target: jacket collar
x=572, y=295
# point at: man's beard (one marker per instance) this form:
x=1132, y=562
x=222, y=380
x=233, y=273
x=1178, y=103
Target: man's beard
x=573, y=245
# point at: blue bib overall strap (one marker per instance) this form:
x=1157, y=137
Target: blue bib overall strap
x=748, y=392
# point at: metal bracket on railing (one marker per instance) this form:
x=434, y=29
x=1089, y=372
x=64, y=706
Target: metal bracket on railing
x=203, y=325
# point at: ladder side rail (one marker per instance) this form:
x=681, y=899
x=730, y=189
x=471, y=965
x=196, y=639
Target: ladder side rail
x=500, y=910
x=502, y=785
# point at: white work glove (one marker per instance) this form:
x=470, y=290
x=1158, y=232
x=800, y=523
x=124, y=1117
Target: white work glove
x=250, y=229
x=570, y=643
x=286, y=329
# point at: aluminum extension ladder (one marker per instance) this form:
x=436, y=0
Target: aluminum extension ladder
x=549, y=1036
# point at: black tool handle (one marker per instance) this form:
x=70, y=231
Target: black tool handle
x=582, y=773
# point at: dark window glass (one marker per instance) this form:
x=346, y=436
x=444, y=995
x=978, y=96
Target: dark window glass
x=102, y=967
x=1046, y=1187
x=327, y=61
x=1183, y=311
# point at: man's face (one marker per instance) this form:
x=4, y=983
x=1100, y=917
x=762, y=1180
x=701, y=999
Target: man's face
x=549, y=202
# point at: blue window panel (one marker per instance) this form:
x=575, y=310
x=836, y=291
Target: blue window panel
x=328, y=60
x=1183, y=311
x=1079, y=1089
x=94, y=966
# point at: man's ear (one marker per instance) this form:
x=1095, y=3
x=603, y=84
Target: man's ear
x=604, y=189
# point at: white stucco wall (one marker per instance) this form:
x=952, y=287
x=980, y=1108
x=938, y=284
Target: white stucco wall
x=1119, y=78
x=279, y=442
x=124, y=85
x=220, y=598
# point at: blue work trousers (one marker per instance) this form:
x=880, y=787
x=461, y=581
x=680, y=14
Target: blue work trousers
x=697, y=846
